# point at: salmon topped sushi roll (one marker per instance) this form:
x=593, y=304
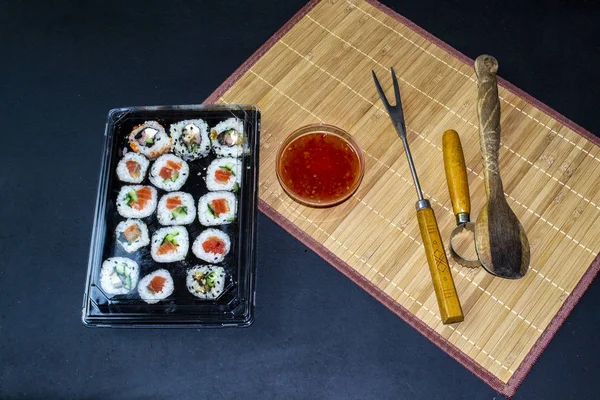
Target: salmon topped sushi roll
x=132, y=235
x=212, y=246
x=136, y=201
x=170, y=244
x=169, y=172
x=176, y=208
x=224, y=174
x=190, y=139
x=227, y=138
x=217, y=208
x=132, y=168
x=150, y=139
x=156, y=286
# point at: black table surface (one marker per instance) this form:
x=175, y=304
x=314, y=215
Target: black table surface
x=316, y=334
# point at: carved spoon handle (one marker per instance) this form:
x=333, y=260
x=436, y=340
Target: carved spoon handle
x=488, y=109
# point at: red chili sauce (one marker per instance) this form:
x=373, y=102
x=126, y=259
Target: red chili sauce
x=319, y=167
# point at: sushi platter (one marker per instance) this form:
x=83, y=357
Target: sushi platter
x=175, y=224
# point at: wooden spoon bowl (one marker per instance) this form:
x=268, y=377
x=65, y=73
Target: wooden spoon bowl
x=500, y=239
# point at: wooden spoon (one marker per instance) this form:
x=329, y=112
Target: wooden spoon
x=500, y=239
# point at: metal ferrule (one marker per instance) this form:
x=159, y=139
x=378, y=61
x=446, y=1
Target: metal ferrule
x=462, y=218
x=421, y=204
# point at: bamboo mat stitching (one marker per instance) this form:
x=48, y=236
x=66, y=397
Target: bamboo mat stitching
x=448, y=108
x=411, y=41
x=387, y=68
x=470, y=77
x=292, y=100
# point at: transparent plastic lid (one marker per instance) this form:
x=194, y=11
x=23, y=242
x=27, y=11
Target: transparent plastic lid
x=126, y=245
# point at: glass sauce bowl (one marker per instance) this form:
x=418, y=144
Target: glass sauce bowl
x=319, y=165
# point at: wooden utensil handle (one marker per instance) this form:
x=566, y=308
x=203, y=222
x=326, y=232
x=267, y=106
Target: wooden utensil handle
x=456, y=173
x=443, y=284
x=488, y=109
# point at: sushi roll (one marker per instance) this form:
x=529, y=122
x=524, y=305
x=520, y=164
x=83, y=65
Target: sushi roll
x=169, y=172
x=170, y=244
x=217, y=208
x=150, y=139
x=132, y=168
x=206, y=281
x=156, y=286
x=176, y=208
x=227, y=138
x=224, y=174
x=212, y=246
x=136, y=201
x=118, y=275
x=132, y=235
x=190, y=139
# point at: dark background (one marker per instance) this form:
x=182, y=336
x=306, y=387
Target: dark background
x=316, y=335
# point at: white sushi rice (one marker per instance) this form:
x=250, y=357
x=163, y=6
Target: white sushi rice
x=210, y=257
x=161, y=141
x=168, y=184
x=114, y=283
x=181, y=215
x=123, y=172
x=224, y=150
x=181, y=238
x=148, y=295
x=200, y=289
x=228, y=164
x=138, y=243
x=190, y=139
x=206, y=215
x=127, y=211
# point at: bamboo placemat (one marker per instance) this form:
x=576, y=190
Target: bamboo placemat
x=317, y=68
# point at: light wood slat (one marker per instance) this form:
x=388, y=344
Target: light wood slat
x=320, y=72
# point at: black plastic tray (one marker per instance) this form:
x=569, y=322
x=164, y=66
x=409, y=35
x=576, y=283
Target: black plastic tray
x=235, y=307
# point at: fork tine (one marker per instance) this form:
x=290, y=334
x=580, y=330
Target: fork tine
x=380, y=91
x=396, y=88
